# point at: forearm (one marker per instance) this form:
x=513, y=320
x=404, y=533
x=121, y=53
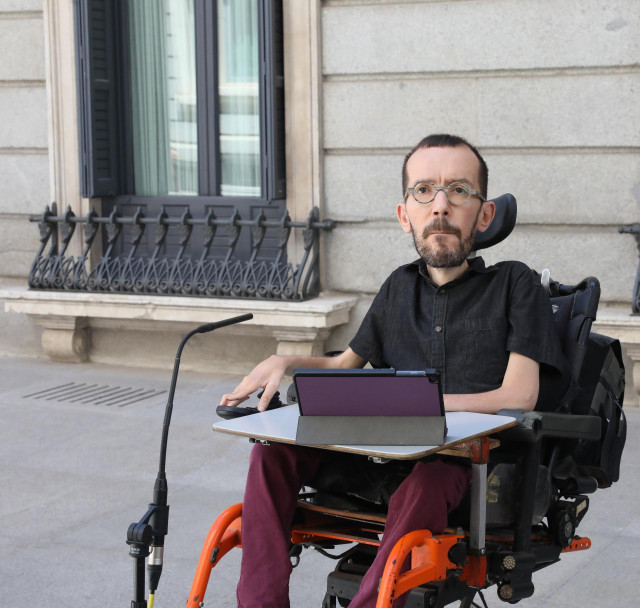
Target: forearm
x=346, y=359
x=519, y=390
x=490, y=402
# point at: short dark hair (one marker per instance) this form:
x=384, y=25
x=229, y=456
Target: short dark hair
x=443, y=140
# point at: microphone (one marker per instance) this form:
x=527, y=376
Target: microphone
x=203, y=329
x=158, y=513
x=160, y=519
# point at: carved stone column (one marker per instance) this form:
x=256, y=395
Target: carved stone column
x=306, y=342
x=65, y=339
x=618, y=323
x=633, y=352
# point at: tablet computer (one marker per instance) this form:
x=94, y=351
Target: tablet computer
x=370, y=406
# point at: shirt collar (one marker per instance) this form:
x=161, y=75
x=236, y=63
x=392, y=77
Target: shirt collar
x=476, y=266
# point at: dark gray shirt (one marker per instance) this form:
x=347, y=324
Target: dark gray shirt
x=466, y=328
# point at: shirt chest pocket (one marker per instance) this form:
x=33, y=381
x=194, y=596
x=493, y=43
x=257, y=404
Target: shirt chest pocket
x=485, y=350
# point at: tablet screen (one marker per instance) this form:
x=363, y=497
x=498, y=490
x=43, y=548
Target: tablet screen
x=368, y=393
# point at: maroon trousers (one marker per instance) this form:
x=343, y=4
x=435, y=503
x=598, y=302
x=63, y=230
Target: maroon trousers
x=276, y=474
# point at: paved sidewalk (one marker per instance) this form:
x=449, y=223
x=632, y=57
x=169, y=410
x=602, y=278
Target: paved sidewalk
x=78, y=465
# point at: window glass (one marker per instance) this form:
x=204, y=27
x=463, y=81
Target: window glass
x=163, y=97
x=239, y=99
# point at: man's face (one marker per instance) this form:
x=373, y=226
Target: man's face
x=443, y=234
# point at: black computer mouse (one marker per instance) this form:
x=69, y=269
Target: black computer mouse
x=228, y=412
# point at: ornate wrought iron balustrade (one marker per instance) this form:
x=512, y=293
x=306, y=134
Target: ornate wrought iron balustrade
x=209, y=275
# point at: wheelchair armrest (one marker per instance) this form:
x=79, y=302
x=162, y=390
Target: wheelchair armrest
x=533, y=426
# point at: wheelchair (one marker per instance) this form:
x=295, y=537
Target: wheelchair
x=529, y=489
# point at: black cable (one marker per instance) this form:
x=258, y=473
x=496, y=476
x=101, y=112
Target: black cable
x=203, y=329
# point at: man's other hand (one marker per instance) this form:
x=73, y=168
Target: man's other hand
x=266, y=375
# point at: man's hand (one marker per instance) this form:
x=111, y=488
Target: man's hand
x=267, y=375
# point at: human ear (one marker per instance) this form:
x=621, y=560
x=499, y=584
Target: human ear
x=403, y=217
x=487, y=213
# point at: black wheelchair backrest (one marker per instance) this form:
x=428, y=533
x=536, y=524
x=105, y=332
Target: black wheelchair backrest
x=598, y=374
x=574, y=311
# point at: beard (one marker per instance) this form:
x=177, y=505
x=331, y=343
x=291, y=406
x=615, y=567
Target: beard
x=436, y=253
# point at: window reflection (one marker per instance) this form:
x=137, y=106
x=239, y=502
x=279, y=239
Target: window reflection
x=163, y=97
x=238, y=90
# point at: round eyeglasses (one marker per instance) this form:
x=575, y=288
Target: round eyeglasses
x=457, y=193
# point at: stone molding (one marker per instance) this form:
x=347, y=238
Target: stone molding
x=619, y=322
x=67, y=317
x=66, y=339
x=60, y=60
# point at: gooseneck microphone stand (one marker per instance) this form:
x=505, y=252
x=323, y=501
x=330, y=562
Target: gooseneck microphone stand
x=146, y=538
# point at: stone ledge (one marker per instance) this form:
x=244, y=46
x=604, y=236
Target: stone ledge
x=67, y=317
x=618, y=322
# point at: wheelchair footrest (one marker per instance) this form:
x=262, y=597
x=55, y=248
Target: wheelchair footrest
x=343, y=585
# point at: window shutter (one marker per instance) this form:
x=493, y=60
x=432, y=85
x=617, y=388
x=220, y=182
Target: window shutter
x=273, y=91
x=98, y=98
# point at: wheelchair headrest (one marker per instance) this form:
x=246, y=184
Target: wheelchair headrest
x=502, y=224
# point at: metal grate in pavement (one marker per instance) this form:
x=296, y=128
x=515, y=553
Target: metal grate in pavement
x=96, y=394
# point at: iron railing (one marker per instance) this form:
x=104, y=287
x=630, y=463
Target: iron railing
x=209, y=275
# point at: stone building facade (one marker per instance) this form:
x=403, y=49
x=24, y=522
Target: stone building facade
x=546, y=89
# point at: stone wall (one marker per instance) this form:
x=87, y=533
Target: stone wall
x=24, y=160
x=547, y=90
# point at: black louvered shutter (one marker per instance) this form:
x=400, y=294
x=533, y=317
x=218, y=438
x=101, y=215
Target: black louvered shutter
x=273, y=90
x=98, y=98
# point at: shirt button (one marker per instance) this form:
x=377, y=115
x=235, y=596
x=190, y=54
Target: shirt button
x=442, y=292
x=438, y=328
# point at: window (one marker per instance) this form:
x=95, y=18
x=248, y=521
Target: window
x=163, y=97
x=181, y=105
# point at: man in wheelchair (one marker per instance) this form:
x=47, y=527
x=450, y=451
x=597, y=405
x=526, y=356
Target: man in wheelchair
x=488, y=330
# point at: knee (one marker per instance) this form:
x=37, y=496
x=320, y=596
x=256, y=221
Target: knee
x=275, y=456
x=449, y=481
x=284, y=461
